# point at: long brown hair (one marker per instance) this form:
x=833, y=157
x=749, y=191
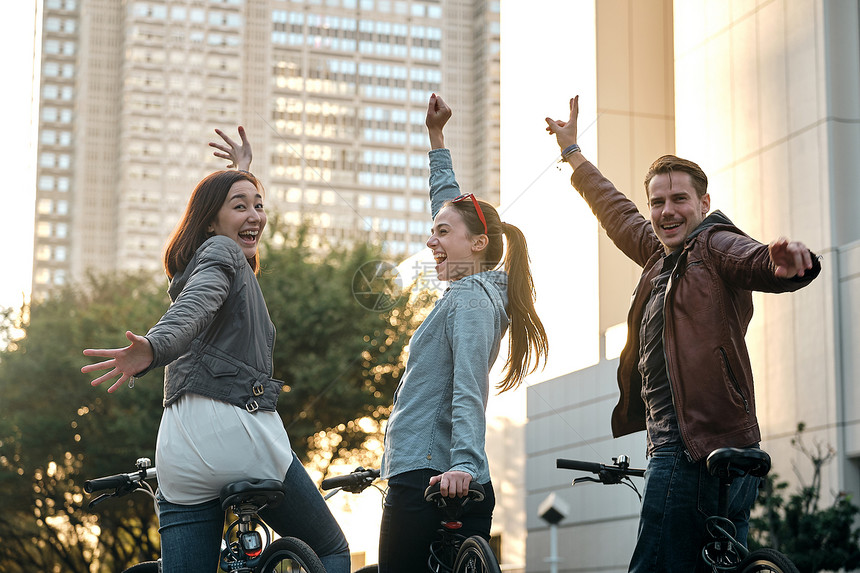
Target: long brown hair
x=203, y=206
x=527, y=340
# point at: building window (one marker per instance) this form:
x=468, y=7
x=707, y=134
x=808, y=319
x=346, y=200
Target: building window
x=46, y=183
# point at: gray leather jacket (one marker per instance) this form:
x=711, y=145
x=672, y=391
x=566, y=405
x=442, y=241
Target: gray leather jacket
x=217, y=337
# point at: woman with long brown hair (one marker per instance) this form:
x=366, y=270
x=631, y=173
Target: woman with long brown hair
x=436, y=431
x=219, y=423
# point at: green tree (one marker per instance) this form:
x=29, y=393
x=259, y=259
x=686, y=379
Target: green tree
x=815, y=538
x=55, y=430
x=340, y=363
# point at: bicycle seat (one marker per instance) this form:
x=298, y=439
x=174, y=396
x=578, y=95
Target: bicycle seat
x=735, y=462
x=257, y=492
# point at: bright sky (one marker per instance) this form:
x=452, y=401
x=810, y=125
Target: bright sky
x=547, y=58
x=16, y=217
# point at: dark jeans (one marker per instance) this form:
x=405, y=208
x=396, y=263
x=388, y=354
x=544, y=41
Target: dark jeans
x=191, y=534
x=409, y=523
x=679, y=495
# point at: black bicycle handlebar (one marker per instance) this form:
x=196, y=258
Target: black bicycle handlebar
x=359, y=479
x=592, y=467
x=607, y=474
x=118, y=481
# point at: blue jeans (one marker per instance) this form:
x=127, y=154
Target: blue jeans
x=679, y=495
x=409, y=523
x=191, y=534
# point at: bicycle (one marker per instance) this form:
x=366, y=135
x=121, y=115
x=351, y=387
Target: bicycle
x=722, y=552
x=451, y=552
x=243, y=548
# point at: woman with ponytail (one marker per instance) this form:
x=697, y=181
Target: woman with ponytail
x=436, y=431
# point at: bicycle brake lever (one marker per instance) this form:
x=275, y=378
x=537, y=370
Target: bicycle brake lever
x=583, y=479
x=610, y=478
x=98, y=500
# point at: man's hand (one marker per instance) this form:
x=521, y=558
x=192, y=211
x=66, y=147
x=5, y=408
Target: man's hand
x=452, y=483
x=790, y=258
x=438, y=114
x=565, y=131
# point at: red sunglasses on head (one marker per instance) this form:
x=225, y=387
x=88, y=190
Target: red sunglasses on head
x=477, y=207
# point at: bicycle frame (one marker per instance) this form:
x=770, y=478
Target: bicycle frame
x=721, y=551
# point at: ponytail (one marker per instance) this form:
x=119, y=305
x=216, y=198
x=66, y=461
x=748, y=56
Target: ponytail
x=527, y=340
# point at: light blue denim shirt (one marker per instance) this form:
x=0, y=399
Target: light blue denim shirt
x=438, y=420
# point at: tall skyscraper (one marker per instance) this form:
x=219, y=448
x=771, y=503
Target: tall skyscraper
x=332, y=93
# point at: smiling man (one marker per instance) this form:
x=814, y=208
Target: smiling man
x=685, y=374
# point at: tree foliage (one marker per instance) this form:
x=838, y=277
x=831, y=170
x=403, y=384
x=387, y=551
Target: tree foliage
x=56, y=431
x=340, y=363
x=815, y=538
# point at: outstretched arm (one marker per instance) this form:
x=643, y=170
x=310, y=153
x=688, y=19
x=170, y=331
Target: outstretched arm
x=238, y=155
x=122, y=362
x=565, y=133
x=438, y=114
x=790, y=258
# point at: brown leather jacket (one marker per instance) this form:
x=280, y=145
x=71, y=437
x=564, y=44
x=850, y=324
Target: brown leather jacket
x=707, y=310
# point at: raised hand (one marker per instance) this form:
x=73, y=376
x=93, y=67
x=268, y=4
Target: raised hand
x=238, y=155
x=789, y=258
x=565, y=131
x=438, y=114
x=122, y=362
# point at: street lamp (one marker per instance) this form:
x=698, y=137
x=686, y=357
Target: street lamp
x=552, y=510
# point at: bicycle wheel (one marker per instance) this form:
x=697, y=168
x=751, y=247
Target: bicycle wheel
x=289, y=555
x=145, y=567
x=766, y=560
x=475, y=556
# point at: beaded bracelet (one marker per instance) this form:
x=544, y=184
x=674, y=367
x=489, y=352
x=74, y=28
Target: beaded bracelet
x=568, y=151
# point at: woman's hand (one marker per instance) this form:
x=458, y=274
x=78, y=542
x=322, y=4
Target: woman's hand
x=452, y=483
x=438, y=114
x=565, y=131
x=239, y=156
x=123, y=362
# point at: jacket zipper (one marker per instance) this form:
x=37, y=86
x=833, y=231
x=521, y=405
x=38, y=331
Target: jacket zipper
x=676, y=274
x=734, y=380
